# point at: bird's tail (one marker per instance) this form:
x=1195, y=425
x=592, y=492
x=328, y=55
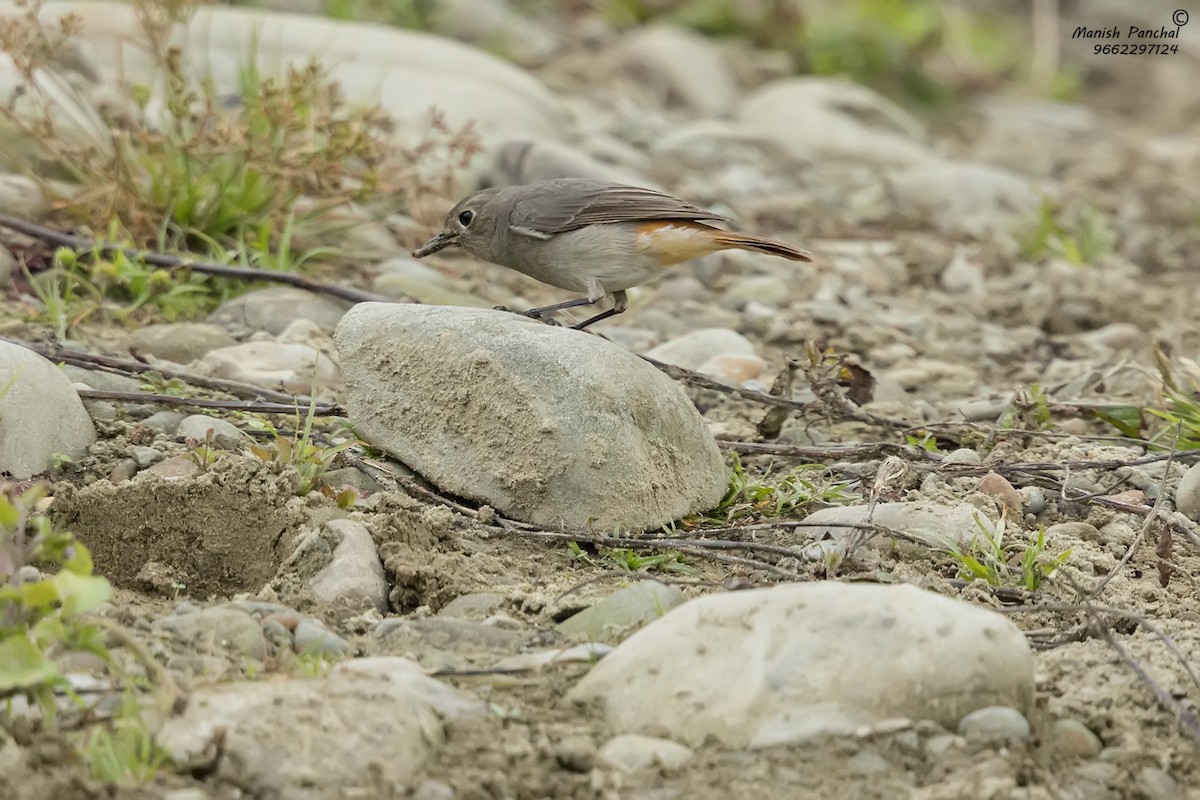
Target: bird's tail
x=743, y=241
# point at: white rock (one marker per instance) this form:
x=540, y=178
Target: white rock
x=928, y=520
x=818, y=118
x=181, y=342
x=551, y=425
x=1187, y=494
x=406, y=72
x=691, y=350
x=529, y=160
x=772, y=666
x=41, y=415
x=685, y=67
x=354, y=576
x=963, y=198
x=296, y=368
x=275, y=308
x=630, y=752
x=336, y=735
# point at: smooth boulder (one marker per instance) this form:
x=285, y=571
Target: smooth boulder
x=546, y=424
x=809, y=659
x=41, y=415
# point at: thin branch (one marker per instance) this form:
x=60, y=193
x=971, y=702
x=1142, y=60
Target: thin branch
x=129, y=368
x=170, y=261
x=249, y=406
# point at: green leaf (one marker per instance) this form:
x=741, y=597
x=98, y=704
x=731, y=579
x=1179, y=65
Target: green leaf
x=81, y=593
x=1126, y=419
x=22, y=664
x=80, y=561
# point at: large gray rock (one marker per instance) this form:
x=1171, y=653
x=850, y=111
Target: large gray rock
x=809, y=659
x=819, y=118
x=547, y=424
x=406, y=72
x=360, y=731
x=685, y=67
x=41, y=416
x=962, y=198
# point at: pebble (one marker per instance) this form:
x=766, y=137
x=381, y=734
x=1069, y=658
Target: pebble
x=1072, y=739
x=1157, y=784
x=630, y=752
x=811, y=659
x=958, y=523
x=225, y=434
x=994, y=723
x=41, y=415
x=963, y=455
x=354, y=576
x=1033, y=498
x=692, y=350
x=297, y=368
x=218, y=627
x=175, y=468
x=164, y=421
x=476, y=606
x=311, y=637
x=273, y=309
x=1187, y=493
x=546, y=402
x=625, y=608
x=733, y=369
x=145, y=456
x=180, y=342
x=1004, y=493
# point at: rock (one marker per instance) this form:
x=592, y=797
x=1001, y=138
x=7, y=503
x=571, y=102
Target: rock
x=175, y=468
x=527, y=160
x=733, y=369
x=181, y=342
x=21, y=196
x=809, y=659
x=931, y=521
x=630, y=752
x=405, y=72
x=8, y=264
x=445, y=641
x=225, y=435
x=633, y=605
x=41, y=415
x=354, y=739
x=273, y=309
x=1157, y=784
x=297, y=368
x=355, y=575
x=1072, y=739
x=686, y=69
x=476, y=606
x=963, y=275
x=217, y=627
x=768, y=290
x=1187, y=493
x=527, y=417
x=692, y=350
x=963, y=199
x=164, y=421
x=311, y=637
x=997, y=487
x=963, y=455
x=833, y=118
x=995, y=723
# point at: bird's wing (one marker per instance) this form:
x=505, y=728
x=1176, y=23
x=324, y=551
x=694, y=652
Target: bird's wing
x=570, y=204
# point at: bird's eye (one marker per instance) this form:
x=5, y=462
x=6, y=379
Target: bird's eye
x=465, y=218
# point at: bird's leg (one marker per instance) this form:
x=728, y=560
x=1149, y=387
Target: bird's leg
x=620, y=303
x=595, y=293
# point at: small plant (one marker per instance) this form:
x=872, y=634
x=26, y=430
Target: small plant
x=204, y=452
x=310, y=459
x=1081, y=238
x=1029, y=410
x=796, y=489
x=123, y=750
x=999, y=563
x=42, y=618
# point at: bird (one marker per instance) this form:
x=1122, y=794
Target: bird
x=589, y=236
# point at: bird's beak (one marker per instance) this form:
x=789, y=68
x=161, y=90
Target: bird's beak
x=442, y=240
